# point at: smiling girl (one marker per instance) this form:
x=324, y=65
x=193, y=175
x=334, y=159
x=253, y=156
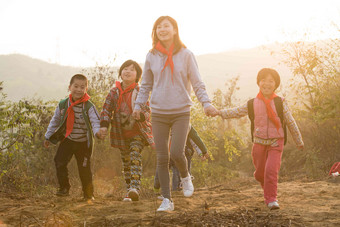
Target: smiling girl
x=269, y=115
x=127, y=134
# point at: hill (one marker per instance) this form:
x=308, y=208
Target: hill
x=216, y=69
x=27, y=77
x=24, y=76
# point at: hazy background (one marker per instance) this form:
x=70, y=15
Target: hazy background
x=53, y=39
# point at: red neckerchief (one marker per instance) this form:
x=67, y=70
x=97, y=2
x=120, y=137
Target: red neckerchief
x=270, y=112
x=121, y=93
x=169, y=53
x=70, y=113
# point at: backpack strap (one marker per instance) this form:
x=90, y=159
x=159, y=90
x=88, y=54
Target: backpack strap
x=250, y=105
x=88, y=105
x=62, y=106
x=279, y=109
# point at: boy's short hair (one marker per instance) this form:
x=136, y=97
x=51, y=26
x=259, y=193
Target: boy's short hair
x=78, y=77
x=265, y=71
x=135, y=64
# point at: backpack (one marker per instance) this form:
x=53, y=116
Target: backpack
x=279, y=109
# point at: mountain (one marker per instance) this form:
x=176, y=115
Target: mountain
x=216, y=69
x=27, y=77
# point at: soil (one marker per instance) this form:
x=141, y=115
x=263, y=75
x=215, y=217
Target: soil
x=235, y=203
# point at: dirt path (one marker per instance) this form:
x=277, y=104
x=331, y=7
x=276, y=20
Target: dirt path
x=237, y=203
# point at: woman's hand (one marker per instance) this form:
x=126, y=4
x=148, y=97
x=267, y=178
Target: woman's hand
x=211, y=111
x=136, y=114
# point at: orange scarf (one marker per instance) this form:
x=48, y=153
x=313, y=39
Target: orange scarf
x=270, y=112
x=169, y=61
x=70, y=113
x=121, y=93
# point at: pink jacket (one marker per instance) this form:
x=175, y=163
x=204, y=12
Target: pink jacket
x=264, y=128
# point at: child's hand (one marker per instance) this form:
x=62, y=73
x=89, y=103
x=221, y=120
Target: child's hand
x=205, y=157
x=98, y=135
x=46, y=143
x=102, y=133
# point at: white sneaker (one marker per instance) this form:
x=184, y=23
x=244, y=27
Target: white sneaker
x=133, y=194
x=127, y=199
x=166, y=205
x=160, y=197
x=273, y=205
x=187, y=186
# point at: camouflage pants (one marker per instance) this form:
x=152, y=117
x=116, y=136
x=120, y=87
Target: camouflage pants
x=132, y=162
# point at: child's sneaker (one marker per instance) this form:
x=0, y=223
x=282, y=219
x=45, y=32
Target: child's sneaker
x=62, y=192
x=273, y=205
x=187, y=186
x=133, y=194
x=127, y=199
x=166, y=205
x=88, y=200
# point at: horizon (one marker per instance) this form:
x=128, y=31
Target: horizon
x=142, y=62
x=115, y=63
x=83, y=33
x=30, y=75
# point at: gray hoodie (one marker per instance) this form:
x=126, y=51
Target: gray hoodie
x=167, y=96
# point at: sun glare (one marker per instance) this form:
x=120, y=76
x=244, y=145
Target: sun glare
x=81, y=33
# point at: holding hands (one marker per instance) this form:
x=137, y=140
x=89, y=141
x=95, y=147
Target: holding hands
x=211, y=111
x=102, y=133
x=136, y=114
x=205, y=157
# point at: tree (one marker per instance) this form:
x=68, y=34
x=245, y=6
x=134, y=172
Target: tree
x=316, y=83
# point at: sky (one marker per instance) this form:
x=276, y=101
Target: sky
x=84, y=33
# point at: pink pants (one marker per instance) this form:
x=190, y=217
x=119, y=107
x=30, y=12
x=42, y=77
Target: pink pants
x=267, y=162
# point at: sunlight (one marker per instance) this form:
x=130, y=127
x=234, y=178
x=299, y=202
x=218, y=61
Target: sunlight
x=79, y=33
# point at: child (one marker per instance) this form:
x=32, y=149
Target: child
x=269, y=114
x=74, y=123
x=194, y=144
x=170, y=71
x=127, y=134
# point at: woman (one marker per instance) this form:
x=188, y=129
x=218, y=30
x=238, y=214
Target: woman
x=169, y=70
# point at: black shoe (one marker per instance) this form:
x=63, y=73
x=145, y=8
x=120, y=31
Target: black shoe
x=63, y=192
